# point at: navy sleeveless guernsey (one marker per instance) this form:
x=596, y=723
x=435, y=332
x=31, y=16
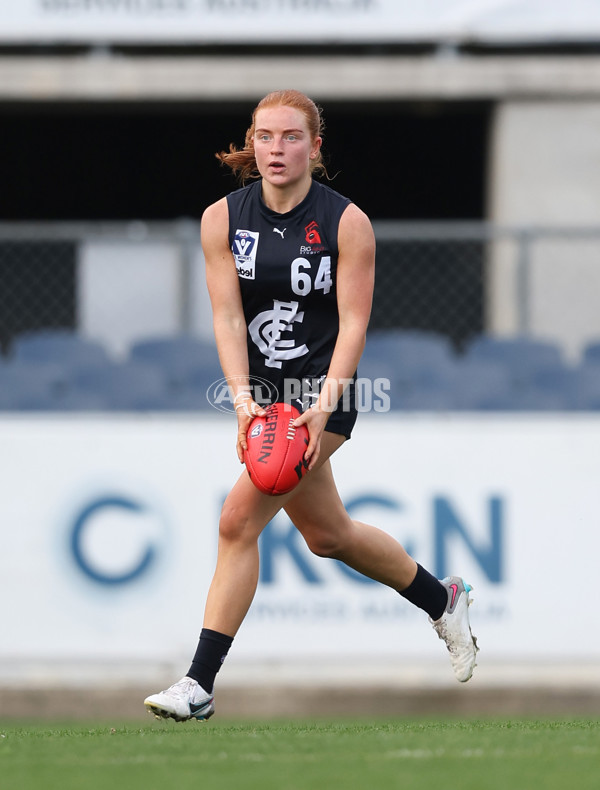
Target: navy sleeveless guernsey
x=287, y=266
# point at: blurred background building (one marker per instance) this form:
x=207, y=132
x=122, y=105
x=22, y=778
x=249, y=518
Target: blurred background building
x=479, y=112
x=468, y=130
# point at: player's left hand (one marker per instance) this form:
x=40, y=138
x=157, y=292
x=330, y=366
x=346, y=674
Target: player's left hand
x=246, y=411
x=315, y=420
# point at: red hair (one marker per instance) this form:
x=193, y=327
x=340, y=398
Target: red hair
x=243, y=162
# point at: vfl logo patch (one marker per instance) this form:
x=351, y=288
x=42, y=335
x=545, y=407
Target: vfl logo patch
x=244, y=248
x=256, y=431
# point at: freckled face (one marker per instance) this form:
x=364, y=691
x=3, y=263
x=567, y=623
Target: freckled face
x=283, y=146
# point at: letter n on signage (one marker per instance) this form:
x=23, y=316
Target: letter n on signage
x=449, y=527
x=278, y=543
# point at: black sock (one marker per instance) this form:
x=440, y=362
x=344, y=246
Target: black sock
x=427, y=592
x=210, y=654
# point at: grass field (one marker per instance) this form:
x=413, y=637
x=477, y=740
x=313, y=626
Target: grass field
x=418, y=754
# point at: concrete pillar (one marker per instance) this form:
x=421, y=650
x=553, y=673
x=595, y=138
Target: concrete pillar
x=545, y=172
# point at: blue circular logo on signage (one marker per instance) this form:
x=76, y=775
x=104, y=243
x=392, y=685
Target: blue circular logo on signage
x=115, y=540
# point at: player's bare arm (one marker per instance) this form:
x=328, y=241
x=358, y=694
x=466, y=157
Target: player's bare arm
x=228, y=315
x=355, y=279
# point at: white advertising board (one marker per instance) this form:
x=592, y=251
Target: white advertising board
x=284, y=21
x=109, y=530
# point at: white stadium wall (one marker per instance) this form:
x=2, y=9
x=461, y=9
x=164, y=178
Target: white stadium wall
x=109, y=529
x=109, y=523
x=110, y=307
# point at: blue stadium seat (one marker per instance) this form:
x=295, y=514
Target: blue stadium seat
x=481, y=385
x=586, y=389
x=122, y=387
x=421, y=398
x=197, y=386
x=373, y=368
x=30, y=386
x=532, y=399
x=7, y=401
x=406, y=346
x=423, y=385
x=182, y=357
x=190, y=400
x=591, y=353
x=59, y=346
x=538, y=377
x=418, y=364
x=76, y=400
x=553, y=386
x=521, y=355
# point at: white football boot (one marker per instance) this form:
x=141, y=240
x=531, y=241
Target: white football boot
x=454, y=628
x=184, y=700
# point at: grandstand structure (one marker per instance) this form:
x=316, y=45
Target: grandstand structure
x=59, y=370
x=507, y=92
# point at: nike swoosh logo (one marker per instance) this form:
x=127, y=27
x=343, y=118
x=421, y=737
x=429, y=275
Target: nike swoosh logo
x=454, y=588
x=194, y=708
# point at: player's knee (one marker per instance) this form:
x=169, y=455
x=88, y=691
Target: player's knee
x=323, y=544
x=234, y=525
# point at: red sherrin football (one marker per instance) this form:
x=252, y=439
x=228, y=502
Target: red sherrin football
x=275, y=455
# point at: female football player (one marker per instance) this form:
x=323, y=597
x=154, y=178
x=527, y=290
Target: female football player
x=290, y=267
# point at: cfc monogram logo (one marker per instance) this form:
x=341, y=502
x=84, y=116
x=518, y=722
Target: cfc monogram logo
x=312, y=233
x=266, y=330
